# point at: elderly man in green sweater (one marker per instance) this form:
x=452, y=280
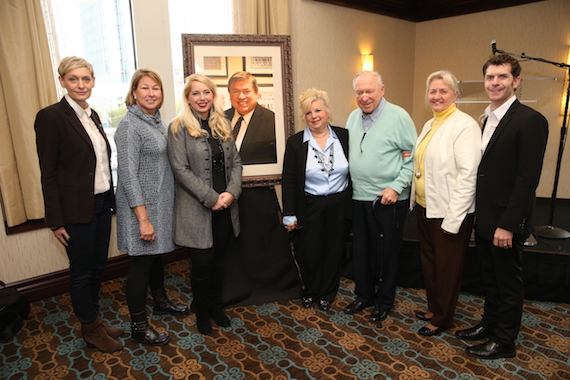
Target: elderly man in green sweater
x=381, y=176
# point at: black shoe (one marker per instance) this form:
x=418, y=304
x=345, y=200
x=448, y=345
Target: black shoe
x=219, y=316
x=203, y=321
x=164, y=305
x=356, y=307
x=308, y=302
x=377, y=316
x=142, y=332
x=474, y=333
x=426, y=331
x=421, y=315
x=324, y=305
x=492, y=350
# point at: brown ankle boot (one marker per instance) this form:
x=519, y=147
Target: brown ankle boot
x=113, y=332
x=95, y=335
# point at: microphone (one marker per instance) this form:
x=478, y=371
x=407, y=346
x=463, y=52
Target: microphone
x=494, y=46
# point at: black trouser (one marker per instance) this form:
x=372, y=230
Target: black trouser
x=145, y=271
x=374, y=257
x=87, y=250
x=320, y=245
x=207, y=264
x=501, y=272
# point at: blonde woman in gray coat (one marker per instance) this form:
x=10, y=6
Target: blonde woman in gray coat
x=207, y=167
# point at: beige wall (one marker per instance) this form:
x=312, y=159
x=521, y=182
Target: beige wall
x=327, y=41
x=462, y=44
x=326, y=44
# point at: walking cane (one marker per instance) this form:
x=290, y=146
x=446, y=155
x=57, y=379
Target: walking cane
x=379, y=258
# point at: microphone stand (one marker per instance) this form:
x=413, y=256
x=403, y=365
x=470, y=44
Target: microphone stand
x=550, y=231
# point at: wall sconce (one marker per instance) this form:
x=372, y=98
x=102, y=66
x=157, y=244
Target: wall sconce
x=367, y=62
x=565, y=90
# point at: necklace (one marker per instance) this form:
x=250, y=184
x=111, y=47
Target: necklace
x=326, y=163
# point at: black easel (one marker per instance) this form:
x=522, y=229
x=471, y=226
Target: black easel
x=550, y=231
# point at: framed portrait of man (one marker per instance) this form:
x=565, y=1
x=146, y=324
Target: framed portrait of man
x=254, y=80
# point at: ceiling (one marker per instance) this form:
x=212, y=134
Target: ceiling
x=423, y=10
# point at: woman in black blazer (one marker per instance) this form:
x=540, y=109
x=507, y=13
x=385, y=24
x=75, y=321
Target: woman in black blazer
x=316, y=197
x=78, y=194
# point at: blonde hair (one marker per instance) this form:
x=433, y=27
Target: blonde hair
x=309, y=96
x=447, y=77
x=137, y=76
x=187, y=118
x=71, y=63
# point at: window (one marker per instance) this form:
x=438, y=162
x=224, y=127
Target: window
x=195, y=17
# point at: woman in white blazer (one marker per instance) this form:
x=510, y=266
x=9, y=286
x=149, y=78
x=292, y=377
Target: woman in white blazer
x=447, y=155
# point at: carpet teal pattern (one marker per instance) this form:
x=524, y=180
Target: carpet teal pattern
x=282, y=341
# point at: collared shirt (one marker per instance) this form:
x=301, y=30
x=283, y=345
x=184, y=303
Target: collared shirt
x=369, y=120
x=102, y=170
x=493, y=119
x=244, y=125
x=328, y=176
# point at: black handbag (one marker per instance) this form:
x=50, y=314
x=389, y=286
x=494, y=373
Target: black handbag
x=13, y=310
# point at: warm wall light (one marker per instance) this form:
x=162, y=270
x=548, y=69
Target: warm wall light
x=565, y=90
x=367, y=61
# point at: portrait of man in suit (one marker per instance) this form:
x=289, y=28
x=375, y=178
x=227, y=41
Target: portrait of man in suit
x=253, y=125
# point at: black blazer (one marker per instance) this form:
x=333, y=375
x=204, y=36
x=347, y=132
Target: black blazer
x=258, y=146
x=67, y=163
x=294, y=166
x=509, y=173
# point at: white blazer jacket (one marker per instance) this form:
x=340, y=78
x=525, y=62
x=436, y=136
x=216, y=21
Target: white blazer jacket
x=450, y=170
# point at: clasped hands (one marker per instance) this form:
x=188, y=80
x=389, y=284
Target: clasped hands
x=224, y=201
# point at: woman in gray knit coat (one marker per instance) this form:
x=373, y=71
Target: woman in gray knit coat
x=145, y=202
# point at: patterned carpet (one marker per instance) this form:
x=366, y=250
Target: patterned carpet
x=282, y=340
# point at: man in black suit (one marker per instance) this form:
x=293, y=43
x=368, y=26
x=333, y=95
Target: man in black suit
x=513, y=145
x=260, y=267
x=255, y=132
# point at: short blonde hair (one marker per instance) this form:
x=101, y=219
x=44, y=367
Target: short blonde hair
x=71, y=63
x=219, y=125
x=137, y=76
x=447, y=77
x=309, y=96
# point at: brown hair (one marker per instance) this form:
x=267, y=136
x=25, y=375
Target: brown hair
x=137, y=76
x=504, y=59
x=243, y=75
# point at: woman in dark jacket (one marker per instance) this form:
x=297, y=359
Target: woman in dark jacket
x=316, y=195
x=78, y=194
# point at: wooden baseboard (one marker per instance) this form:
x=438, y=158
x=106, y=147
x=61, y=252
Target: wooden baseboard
x=52, y=284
